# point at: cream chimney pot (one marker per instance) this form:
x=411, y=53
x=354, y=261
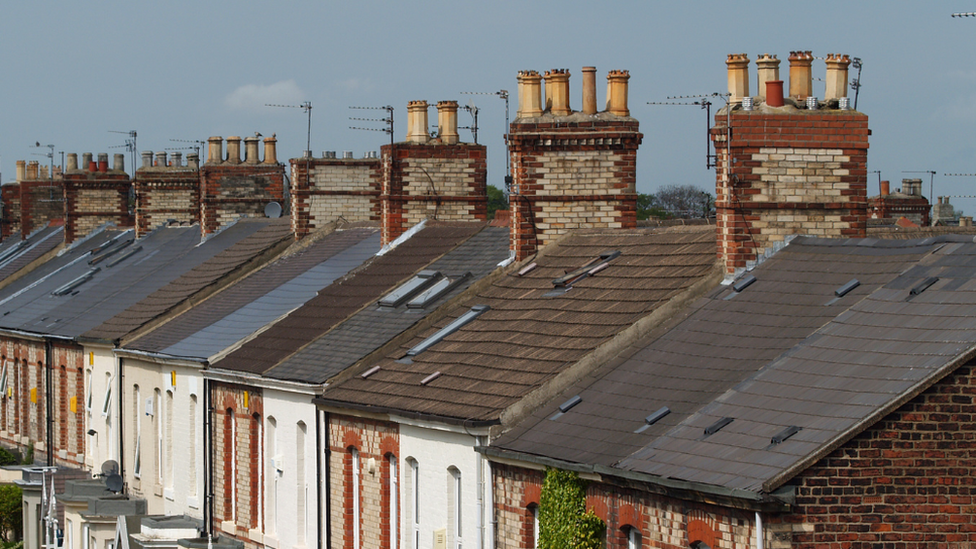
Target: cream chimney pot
x=215, y=150
x=801, y=76
x=251, y=150
x=767, y=70
x=234, y=149
x=271, y=149
x=118, y=162
x=22, y=169
x=557, y=84
x=837, y=65
x=617, y=92
x=589, y=90
x=447, y=122
x=530, y=89
x=72, y=162
x=417, y=122
x=738, y=75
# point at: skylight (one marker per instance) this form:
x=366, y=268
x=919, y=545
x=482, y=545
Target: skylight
x=109, y=252
x=408, y=289
x=454, y=326
x=124, y=256
x=439, y=288
x=592, y=267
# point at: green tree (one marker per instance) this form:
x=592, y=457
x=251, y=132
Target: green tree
x=496, y=200
x=646, y=208
x=11, y=513
x=684, y=201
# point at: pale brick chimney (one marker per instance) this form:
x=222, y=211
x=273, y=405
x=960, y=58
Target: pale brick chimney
x=118, y=162
x=801, y=75
x=836, y=76
x=32, y=170
x=589, y=90
x=160, y=159
x=447, y=128
x=215, y=150
x=738, y=76
x=72, y=162
x=767, y=70
x=22, y=170
x=617, y=93
x=530, y=89
x=417, y=122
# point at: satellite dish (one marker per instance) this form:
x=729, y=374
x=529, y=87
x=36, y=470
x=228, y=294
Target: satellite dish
x=114, y=483
x=272, y=210
x=110, y=467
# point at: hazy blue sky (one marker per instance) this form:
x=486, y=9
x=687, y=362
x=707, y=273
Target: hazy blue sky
x=72, y=72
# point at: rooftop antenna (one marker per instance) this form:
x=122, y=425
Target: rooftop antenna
x=130, y=145
x=879, y=180
x=388, y=120
x=965, y=14
x=711, y=160
x=473, y=111
x=307, y=108
x=931, y=182
x=856, y=82
x=503, y=94
x=49, y=155
x=196, y=146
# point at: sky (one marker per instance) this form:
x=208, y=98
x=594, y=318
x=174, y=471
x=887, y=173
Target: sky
x=75, y=73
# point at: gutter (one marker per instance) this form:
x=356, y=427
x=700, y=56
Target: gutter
x=675, y=488
x=321, y=401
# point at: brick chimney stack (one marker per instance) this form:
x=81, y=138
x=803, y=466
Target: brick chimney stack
x=559, y=162
x=787, y=170
x=738, y=75
x=801, y=75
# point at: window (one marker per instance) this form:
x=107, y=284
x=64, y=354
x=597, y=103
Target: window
x=275, y=472
x=159, y=436
x=168, y=431
x=301, y=450
x=107, y=403
x=534, y=510
x=454, y=326
x=192, y=457
x=633, y=538
x=454, y=509
x=231, y=441
x=413, y=499
x=88, y=398
x=137, y=422
x=408, y=289
x=393, y=503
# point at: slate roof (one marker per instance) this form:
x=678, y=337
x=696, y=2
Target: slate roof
x=781, y=353
x=269, y=233
x=244, y=308
x=127, y=276
x=15, y=254
x=336, y=302
x=529, y=335
x=372, y=327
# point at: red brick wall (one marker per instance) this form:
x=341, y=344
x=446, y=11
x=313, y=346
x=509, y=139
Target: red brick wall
x=232, y=191
x=571, y=175
x=914, y=209
x=347, y=188
x=432, y=181
x=375, y=440
x=40, y=203
x=24, y=420
x=803, y=172
x=663, y=522
x=245, y=434
x=164, y=193
x=907, y=482
x=93, y=199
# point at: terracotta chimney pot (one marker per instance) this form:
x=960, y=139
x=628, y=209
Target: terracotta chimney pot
x=589, y=90
x=617, y=92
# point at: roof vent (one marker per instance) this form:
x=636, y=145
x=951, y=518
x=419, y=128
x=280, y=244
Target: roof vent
x=744, y=283
x=653, y=418
x=67, y=288
x=591, y=267
x=369, y=372
x=109, y=252
x=922, y=286
x=527, y=269
x=459, y=322
x=566, y=406
x=846, y=288
x=784, y=434
x=124, y=256
x=717, y=426
x=430, y=378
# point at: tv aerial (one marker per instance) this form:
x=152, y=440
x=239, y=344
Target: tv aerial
x=473, y=111
x=130, y=146
x=503, y=94
x=931, y=181
x=196, y=146
x=388, y=120
x=705, y=103
x=307, y=108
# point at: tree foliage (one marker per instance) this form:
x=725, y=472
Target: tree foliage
x=564, y=522
x=496, y=200
x=684, y=201
x=11, y=513
x=646, y=208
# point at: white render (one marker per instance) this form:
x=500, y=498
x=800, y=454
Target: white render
x=165, y=422
x=100, y=371
x=438, y=448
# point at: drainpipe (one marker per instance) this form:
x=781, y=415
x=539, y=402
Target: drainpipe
x=208, y=523
x=760, y=538
x=49, y=382
x=118, y=369
x=318, y=477
x=481, y=495
x=328, y=483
